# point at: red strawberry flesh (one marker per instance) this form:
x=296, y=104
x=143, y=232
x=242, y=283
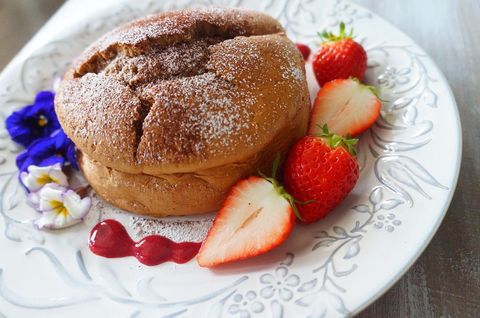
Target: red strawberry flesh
x=253, y=220
x=339, y=57
x=320, y=176
x=304, y=50
x=346, y=106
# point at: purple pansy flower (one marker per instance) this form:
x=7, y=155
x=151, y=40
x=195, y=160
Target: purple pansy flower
x=56, y=148
x=33, y=121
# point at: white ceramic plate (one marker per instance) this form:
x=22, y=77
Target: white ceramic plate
x=409, y=161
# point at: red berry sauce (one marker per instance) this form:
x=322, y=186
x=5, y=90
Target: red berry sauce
x=110, y=239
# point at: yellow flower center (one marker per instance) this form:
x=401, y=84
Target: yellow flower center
x=42, y=121
x=45, y=178
x=59, y=208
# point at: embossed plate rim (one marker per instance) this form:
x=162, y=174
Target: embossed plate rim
x=452, y=188
x=413, y=256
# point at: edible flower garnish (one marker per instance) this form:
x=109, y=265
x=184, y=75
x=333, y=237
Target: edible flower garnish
x=33, y=121
x=59, y=206
x=37, y=177
x=48, y=150
x=57, y=148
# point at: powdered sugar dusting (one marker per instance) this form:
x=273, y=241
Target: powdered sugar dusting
x=204, y=113
x=177, y=90
x=178, y=229
x=99, y=113
x=179, y=60
x=191, y=229
x=185, y=110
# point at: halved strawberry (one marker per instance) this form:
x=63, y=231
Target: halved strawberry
x=256, y=216
x=346, y=106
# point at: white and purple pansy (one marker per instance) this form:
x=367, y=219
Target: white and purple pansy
x=59, y=206
x=37, y=177
x=48, y=150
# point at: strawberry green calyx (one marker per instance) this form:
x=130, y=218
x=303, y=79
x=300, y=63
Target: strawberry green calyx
x=330, y=37
x=279, y=187
x=335, y=141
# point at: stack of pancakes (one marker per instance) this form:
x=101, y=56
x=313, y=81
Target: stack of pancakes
x=169, y=111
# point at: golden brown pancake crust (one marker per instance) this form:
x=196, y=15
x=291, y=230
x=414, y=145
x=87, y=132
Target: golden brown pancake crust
x=182, y=94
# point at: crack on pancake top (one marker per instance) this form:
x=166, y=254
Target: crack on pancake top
x=141, y=40
x=161, y=59
x=146, y=106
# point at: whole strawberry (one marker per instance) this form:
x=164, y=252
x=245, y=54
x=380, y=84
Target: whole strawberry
x=319, y=172
x=304, y=50
x=339, y=56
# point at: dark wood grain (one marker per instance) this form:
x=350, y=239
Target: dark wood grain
x=445, y=281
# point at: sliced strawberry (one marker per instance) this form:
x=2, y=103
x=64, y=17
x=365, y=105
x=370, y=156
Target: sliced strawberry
x=346, y=106
x=255, y=218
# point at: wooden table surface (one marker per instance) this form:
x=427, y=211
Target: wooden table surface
x=445, y=281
